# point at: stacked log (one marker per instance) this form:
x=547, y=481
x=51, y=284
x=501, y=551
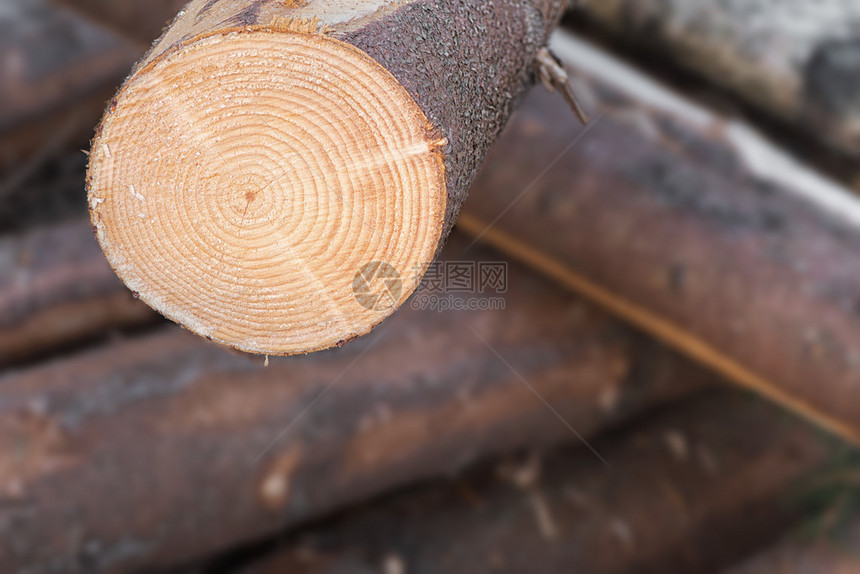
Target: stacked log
x=157, y=448
x=58, y=292
x=690, y=226
x=693, y=490
x=674, y=139
x=166, y=448
x=794, y=59
x=58, y=72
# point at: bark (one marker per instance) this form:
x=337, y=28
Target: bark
x=166, y=448
x=57, y=291
x=57, y=74
x=690, y=226
x=806, y=555
x=796, y=59
x=691, y=491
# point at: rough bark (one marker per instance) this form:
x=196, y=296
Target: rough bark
x=691, y=491
x=801, y=554
x=57, y=73
x=796, y=59
x=56, y=291
x=376, y=126
x=690, y=226
x=166, y=448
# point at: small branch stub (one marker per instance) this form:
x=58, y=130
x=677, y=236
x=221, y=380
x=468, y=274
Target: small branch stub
x=554, y=77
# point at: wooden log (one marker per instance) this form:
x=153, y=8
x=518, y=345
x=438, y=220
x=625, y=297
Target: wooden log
x=141, y=21
x=167, y=448
x=804, y=555
x=690, y=226
x=794, y=59
x=691, y=491
x=57, y=291
x=56, y=76
x=266, y=160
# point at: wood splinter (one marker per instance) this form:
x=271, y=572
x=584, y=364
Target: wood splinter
x=278, y=178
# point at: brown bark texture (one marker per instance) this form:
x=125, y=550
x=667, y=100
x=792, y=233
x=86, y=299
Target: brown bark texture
x=796, y=59
x=692, y=490
x=690, y=226
x=57, y=74
x=57, y=291
x=167, y=448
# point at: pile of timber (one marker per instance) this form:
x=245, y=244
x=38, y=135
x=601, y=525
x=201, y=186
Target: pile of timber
x=689, y=225
x=221, y=449
x=588, y=423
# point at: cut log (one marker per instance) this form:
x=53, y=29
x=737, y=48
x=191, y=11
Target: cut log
x=795, y=59
x=168, y=448
x=838, y=554
x=692, y=491
x=269, y=161
x=56, y=291
x=56, y=76
x=690, y=226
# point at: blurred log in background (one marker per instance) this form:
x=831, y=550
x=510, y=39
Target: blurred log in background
x=655, y=259
x=720, y=461
x=689, y=225
x=423, y=396
x=797, y=60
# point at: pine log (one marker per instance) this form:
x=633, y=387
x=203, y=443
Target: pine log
x=801, y=554
x=56, y=291
x=692, y=491
x=692, y=227
x=268, y=160
x=167, y=448
x=795, y=59
x=57, y=72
